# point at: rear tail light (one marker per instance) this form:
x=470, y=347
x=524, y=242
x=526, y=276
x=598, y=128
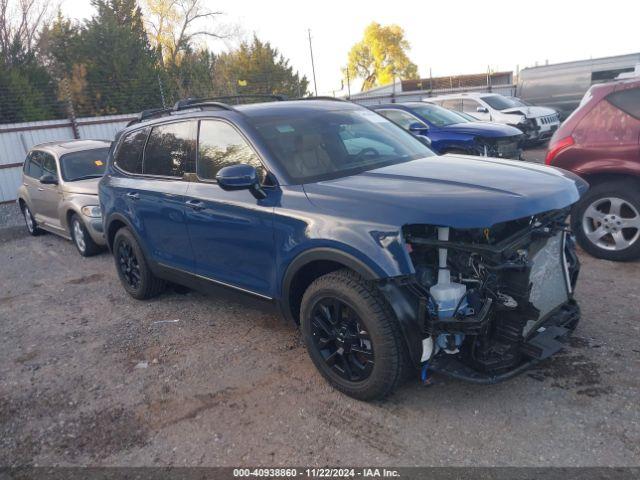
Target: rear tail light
x=557, y=147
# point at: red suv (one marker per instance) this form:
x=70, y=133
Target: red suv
x=600, y=142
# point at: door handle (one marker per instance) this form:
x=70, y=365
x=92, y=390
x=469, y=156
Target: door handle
x=40, y=189
x=133, y=195
x=196, y=205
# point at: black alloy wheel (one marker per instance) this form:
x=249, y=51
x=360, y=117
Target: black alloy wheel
x=128, y=264
x=341, y=338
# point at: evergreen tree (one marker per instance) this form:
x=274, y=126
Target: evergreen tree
x=121, y=67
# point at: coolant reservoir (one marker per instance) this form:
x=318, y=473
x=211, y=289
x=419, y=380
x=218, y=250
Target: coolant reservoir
x=447, y=296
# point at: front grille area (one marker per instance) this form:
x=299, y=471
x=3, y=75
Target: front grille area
x=548, y=119
x=503, y=148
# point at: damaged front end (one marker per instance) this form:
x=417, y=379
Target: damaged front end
x=488, y=303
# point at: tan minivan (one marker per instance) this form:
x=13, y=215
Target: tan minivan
x=59, y=191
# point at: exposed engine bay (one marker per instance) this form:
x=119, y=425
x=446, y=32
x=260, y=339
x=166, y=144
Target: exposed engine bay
x=494, y=300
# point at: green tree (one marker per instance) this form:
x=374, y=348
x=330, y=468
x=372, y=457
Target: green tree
x=257, y=68
x=121, y=67
x=381, y=56
x=27, y=91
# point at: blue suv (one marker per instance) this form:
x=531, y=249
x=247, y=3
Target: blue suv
x=451, y=132
x=389, y=257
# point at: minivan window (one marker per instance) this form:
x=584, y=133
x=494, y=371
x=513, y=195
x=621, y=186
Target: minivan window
x=83, y=165
x=627, y=100
x=49, y=166
x=129, y=155
x=33, y=165
x=170, y=150
x=220, y=145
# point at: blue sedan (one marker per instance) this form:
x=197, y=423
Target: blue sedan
x=447, y=131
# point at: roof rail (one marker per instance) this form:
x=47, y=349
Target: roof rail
x=150, y=113
x=325, y=97
x=191, y=101
x=199, y=103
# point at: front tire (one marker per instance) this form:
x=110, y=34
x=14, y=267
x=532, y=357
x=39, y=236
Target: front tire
x=606, y=221
x=81, y=238
x=352, y=335
x=132, y=267
x=30, y=222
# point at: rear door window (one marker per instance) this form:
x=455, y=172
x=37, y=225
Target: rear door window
x=129, y=155
x=170, y=151
x=627, y=100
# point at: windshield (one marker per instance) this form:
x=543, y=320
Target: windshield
x=498, y=102
x=84, y=164
x=319, y=145
x=438, y=116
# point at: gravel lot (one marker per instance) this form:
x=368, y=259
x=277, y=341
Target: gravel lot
x=89, y=376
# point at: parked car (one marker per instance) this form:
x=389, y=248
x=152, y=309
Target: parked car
x=387, y=255
x=562, y=85
x=59, y=191
x=448, y=132
x=537, y=123
x=600, y=142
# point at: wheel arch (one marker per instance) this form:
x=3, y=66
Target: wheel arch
x=115, y=223
x=308, y=266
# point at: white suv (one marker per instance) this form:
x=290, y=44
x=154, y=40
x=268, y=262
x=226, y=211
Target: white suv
x=538, y=123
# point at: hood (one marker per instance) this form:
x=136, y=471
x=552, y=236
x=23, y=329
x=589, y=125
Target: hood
x=87, y=187
x=482, y=129
x=530, y=112
x=454, y=191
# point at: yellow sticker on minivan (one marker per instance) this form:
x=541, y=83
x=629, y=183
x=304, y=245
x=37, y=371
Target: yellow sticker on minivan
x=98, y=163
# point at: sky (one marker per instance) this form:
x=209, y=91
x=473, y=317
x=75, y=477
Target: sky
x=448, y=37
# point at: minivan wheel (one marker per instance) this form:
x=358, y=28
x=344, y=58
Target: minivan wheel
x=352, y=336
x=82, y=239
x=133, y=269
x=607, y=221
x=32, y=226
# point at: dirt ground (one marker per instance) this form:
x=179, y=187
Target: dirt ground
x=89, y=376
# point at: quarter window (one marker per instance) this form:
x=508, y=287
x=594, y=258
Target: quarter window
x=170, y=149
x=220, y=145
x=627, y=100
x=129, y=156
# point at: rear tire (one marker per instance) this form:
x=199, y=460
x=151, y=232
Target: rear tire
x=352, y=335
x=30, y=222
x=132, y=267
x=606, y=221
x=81, y=237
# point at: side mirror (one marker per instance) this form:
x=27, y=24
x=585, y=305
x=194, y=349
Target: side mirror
x=240, y=177
x=419, y=128
x=48, y=179
x=482, y=110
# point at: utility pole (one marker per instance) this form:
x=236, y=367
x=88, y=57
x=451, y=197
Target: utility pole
x=348, y=84
x=313, y=67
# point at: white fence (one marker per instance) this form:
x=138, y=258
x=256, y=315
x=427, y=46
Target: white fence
x=17, y=138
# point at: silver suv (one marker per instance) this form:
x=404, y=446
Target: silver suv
x=59, y=191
